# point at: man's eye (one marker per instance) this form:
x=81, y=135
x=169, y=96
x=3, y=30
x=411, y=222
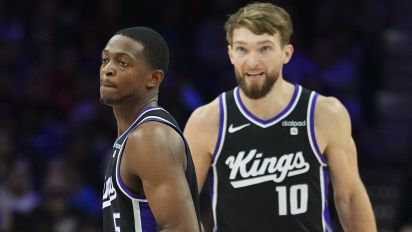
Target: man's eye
x=105, y=60
x=123, y=63
x=266, y=48
x=240, y=50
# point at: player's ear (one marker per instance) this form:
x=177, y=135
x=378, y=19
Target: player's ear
x=155, y=78
x=287, y=53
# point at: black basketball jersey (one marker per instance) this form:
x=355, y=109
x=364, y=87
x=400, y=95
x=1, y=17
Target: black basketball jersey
x=269, y=175
x=123, y=210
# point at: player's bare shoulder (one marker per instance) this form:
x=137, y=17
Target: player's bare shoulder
x=331, y=119
x=151, y=145
x=202, y=127
x=154, y=135
x=330, y=109
x=204, y=119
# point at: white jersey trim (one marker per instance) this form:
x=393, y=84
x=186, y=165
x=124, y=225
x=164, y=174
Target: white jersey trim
x=136, y=215
x=141, y=114
x=315, y=149
x=322, y=192
x=311, y=127
x=223, y=122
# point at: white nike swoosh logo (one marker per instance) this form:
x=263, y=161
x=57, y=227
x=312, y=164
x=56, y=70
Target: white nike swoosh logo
x=233, y=129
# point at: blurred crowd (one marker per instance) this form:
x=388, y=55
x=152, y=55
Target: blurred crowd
x=55, y=135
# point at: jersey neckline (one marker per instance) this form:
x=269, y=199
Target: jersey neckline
x=269, y=122
x=139, y=115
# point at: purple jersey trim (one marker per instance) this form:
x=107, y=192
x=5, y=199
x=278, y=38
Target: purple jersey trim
x=326, y=213
x=119, y=179
x=284, y=111
x=124, y=187
x=161, y=120
x=158, y=119
x=212, y=175
x=221, y=122
x=144, y=110
x=148, y=221
x=312, y=128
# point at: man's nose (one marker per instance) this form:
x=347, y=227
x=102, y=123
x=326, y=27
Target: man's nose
x=108, y=69
x=253, y=59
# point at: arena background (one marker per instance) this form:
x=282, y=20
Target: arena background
x=55, y=135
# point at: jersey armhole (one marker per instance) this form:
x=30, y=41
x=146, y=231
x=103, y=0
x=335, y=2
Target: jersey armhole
x=222, y=128
x=311, y=129
x=122, y=186
x=119, y=179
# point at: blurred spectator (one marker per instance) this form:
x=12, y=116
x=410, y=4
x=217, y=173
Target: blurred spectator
x=18, y=198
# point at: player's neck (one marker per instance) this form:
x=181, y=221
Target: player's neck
x=126, y=114
x=273, y=103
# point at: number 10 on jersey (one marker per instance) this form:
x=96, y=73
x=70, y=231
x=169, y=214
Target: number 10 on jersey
x=295, y=199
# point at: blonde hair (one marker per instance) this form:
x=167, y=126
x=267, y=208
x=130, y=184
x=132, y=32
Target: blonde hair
x=261, y=18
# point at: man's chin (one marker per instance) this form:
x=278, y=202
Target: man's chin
x=106, y=101
x=256, y=91
x=255, y=95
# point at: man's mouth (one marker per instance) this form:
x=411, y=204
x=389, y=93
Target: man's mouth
x=254, y=75
x=107, y=84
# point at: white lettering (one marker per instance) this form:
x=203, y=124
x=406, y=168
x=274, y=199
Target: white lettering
x=294, y=123
x=117, y=146
x=109, y=193
x=266, y=169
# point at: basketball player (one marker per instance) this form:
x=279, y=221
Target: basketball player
x=271, y=146
x=150, y=181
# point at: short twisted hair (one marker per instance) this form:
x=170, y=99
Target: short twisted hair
x=155, y=49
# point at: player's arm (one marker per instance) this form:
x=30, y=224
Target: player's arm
x=155, y=154
x=332, y=123
x=201, y=133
